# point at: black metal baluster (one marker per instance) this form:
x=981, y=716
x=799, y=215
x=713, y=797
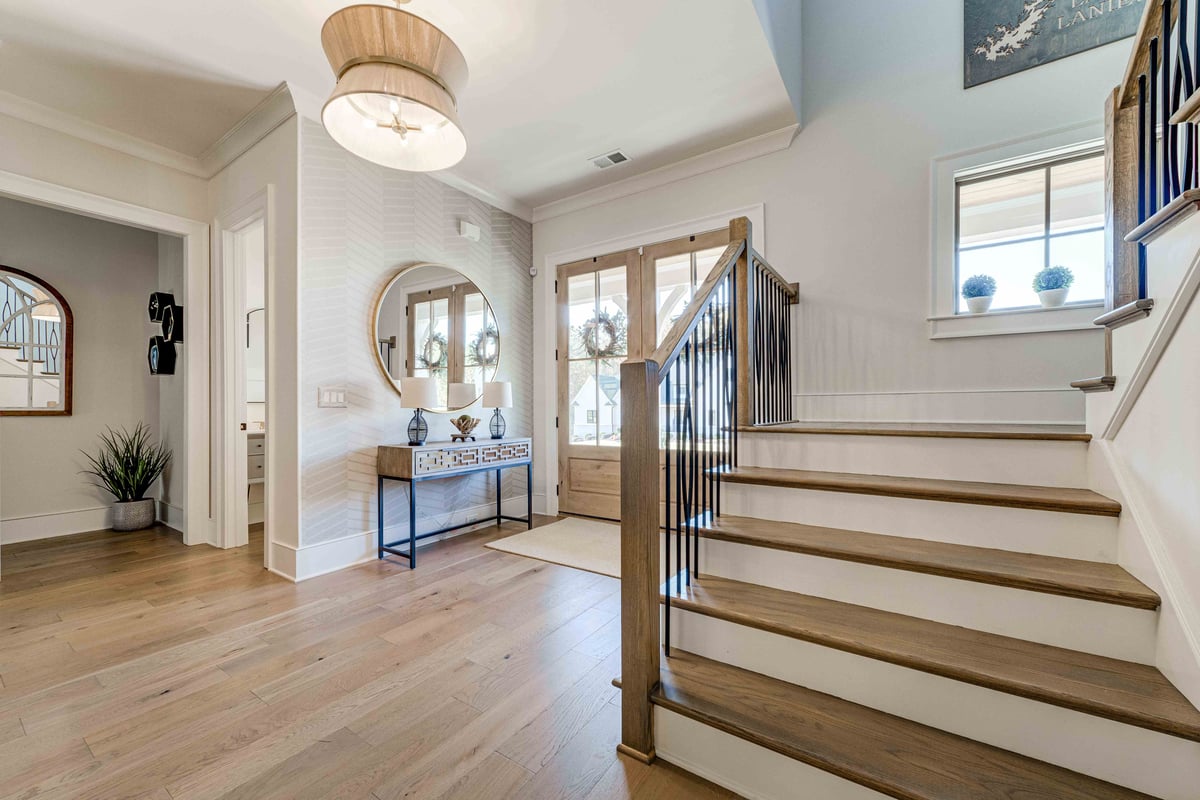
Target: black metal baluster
x=667, y=519
x=1152, y=166
x=1143, y=110
x=1168, y=178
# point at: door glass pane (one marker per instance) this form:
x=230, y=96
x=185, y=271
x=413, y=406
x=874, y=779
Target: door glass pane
x=705, y=261
x=581, y=402
x=611, y=332
x=1083, y=254
x=674, y=290
x=609, y=410
x=481, y=349
x=1002, y=209
x=1077, y=196
x=431, y=334
x=581, y=308
x=1012, y=265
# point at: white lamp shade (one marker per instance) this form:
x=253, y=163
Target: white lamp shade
x=497, y=394
x=418, y=392
x=462, y=395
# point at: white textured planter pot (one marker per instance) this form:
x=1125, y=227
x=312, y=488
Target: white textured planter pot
x=1052, y=298
x=133, y=515
x=979, y=305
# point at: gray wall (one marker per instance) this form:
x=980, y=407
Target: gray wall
x=106, y=273
x=359, y=224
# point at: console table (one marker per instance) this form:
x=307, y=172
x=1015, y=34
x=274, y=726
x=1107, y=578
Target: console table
x=428, y=462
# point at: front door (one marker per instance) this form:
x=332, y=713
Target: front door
x=611, y=308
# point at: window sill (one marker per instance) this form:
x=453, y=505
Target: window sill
x=1071, y=317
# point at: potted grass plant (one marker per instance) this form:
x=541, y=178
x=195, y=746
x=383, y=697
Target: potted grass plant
x=1052, y=285
x=978, y=291
x=127, y=466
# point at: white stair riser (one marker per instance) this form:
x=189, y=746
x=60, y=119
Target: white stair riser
x=1042, y=463
x=754, y=772
x=1051, y=533
x=1163, y=766
x=1100, y=628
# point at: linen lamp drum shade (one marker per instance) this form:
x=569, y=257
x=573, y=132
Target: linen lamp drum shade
x=419, y=393
x=461, y=395
x=497, y=394
x=398, y=76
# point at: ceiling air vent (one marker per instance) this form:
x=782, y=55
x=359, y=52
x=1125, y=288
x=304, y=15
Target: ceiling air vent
x=609, y=159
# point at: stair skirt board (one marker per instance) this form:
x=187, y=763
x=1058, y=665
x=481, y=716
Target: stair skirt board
x=1052, y=533
x=1043, y=463
x=753, y=771
x=1164, y=766
x=1101, y=628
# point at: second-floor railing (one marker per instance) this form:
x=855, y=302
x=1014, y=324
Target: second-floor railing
x=725, y=364
x=1152, y=145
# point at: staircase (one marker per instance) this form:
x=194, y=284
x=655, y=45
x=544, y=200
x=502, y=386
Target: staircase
x=977, y=642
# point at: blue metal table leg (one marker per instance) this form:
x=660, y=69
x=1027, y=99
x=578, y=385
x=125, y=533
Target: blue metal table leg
x=412, y=525
x=379, y=511
x=529, y=494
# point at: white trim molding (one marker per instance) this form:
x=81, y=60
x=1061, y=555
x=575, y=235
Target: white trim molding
x=944, y=323
x=269, y=114
x=48, y=526
x=761, y=145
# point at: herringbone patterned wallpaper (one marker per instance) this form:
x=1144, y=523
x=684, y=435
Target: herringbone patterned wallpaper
x=359, y=224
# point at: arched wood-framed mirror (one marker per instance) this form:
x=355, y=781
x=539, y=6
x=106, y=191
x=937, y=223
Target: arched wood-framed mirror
x=36, y=347
x=432, y=321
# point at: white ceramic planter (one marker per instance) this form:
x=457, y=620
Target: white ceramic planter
x=979, y=305
x=1052, y=298
x=133, y=515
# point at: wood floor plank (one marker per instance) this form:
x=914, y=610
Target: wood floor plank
x=1135, y=694
x=886, y=753
x=360, y=667
x=1089, y=580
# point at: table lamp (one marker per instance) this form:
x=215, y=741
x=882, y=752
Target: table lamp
x=497, y=395
x=418, y=394
x=461, y=395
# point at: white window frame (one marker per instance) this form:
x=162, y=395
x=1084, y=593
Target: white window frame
x=944, y=321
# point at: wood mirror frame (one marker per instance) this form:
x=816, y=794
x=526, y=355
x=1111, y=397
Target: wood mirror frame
x=65, y=345
x=456, y=353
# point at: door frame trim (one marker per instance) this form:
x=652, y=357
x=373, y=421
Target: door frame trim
x=545, y=316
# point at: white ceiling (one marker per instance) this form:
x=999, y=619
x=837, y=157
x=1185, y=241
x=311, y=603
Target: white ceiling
x=553, y=82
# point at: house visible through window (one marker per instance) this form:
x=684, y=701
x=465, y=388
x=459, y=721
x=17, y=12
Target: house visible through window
x=1011, y=225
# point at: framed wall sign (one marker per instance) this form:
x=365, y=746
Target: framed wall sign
x=1003, y=37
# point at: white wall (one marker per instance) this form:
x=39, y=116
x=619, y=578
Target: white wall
x=171, y=392
x=361, y=224
x=848, y=217
x=274, y=161
x=106, y=272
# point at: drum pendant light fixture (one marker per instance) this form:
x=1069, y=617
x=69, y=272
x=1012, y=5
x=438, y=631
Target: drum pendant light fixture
x=397, y=81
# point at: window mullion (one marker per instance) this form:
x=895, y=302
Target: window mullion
x=1046, y=230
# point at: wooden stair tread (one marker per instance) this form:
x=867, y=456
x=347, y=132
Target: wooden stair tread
x=1130, y=312
x=1131, y=693
x=1088, y=580
x=1056, y=433
x=1101, y=383
x=1043, y=498
x=889, y=754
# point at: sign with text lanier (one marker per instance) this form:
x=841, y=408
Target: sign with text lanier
x=1003, y=37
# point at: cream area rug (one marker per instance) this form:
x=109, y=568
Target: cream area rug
x=585, y=544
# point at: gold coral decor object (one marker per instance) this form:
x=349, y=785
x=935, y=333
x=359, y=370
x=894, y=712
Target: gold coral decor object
x=398, y=78
x=465, y=425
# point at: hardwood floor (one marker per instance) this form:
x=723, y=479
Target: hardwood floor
x=132, y=666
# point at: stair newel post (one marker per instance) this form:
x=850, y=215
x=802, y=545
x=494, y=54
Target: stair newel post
x=640, y=649
x=739, y=228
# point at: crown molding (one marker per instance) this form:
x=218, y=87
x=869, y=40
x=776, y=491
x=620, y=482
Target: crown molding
x=33, y=112
x=504, y=202
x=274, y=109
x=745, y=150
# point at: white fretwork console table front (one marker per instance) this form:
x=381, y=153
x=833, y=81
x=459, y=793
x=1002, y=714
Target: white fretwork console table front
x=413, y=465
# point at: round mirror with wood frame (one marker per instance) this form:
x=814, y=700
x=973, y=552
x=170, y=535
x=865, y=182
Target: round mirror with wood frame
x=430, y=320
x=36, y=347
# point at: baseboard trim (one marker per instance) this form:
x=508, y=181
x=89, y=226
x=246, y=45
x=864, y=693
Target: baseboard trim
x=321, y=558
x=49, y=526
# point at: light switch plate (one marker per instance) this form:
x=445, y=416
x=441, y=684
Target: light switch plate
x=331, y=397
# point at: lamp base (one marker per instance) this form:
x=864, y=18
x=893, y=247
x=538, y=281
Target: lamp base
x=497, y=426
x=418, y=430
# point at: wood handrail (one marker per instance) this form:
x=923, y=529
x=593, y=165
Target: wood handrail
x=679, y=334
x=1139, y=58
x=790, y=288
